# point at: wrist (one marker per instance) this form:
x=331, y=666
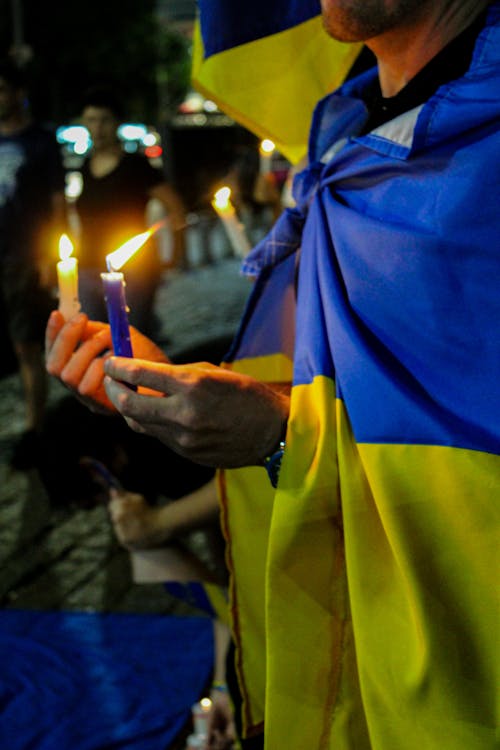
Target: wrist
x=219, y=686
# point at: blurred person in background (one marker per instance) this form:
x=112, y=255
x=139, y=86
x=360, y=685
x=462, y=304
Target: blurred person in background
x=32, y=211
x=117, y=188
x=255, y=195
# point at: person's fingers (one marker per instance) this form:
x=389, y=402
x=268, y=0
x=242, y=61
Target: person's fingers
x=114, y=506
x=92, y=378
x=93, y=327
x=136, y=407
x=54, y=325
x=123, y=504
x=124, y=497
x=161, y=377
x=62, y=340
x=76, y=367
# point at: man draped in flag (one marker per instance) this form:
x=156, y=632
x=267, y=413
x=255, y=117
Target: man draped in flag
x=378, y=295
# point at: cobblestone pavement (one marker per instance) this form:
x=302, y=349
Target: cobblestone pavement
x=67, y=558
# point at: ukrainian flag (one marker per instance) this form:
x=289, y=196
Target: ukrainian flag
x=381, y=542
x=382, y=572
x=262, y=349
x=266, y=64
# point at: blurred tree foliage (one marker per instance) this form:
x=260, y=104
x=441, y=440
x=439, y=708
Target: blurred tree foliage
x=174, y=71
x=114, y=42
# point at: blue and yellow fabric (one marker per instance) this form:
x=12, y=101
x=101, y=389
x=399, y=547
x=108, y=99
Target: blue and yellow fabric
x=266, y=64
x=382, y=605
x=263, y=349
x=209, y=598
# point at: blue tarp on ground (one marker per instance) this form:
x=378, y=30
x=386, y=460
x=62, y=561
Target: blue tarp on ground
x=80, y=681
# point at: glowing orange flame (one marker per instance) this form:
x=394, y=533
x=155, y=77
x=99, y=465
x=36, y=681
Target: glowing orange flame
x=119, y=257
x=65, y=247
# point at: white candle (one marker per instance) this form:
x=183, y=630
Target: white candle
x=266, y=150
x=200, y=712
x=67, y=279
x=226, y=211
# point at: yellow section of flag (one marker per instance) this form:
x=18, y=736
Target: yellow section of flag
x=271, y=85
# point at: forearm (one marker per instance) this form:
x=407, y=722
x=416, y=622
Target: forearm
x=222, y=638
x=189, y=512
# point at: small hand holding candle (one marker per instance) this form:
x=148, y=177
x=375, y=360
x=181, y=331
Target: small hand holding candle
x=200, y=712
x=226, y=211
x=266, y=150
x=67, y=277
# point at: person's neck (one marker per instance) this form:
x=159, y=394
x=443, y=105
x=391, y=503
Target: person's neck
x=109, y=151
x=401, y=53
x=14, y=123
x=104, y=160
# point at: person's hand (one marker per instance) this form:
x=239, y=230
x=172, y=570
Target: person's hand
x=137, y=524
x=221, y=733
x=212, y=416
x=75, y=353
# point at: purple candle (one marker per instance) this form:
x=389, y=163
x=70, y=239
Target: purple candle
x=114, y=293
x=114, y=290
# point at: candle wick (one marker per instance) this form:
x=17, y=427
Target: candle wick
x=109, y=266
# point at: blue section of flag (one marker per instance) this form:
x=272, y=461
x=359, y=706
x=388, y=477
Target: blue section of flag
x=399, y=274
x=268, y=323
x=93, y=681
x=192, y=593
x=399, y=271
x=229, y=23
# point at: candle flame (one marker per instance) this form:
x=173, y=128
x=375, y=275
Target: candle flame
x=65, y=247
x=119, y=257
x=267, y=146
x=222, y=198
x=206, y=703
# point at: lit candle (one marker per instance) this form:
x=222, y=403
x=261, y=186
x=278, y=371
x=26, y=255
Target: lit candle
x=266, y=150
x=116, y=303
x=67, y=278
x=200, y=712
x=114, y=291
x=226, y=211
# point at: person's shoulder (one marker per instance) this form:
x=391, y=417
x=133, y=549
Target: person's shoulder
x=41, y=130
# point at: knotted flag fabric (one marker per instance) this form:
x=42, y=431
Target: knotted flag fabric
x=266, y=64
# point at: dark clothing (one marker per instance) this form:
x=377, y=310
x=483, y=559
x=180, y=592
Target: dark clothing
x=111, y=210
x=26, y=303
x=31, y=171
